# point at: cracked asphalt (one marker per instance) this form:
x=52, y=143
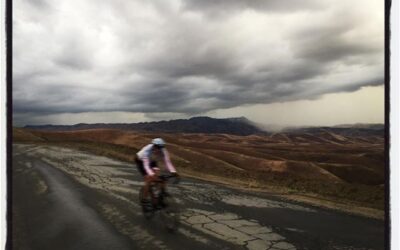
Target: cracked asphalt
x=67, y=199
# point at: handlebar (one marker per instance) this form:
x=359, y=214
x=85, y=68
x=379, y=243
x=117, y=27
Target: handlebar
x=165, y=177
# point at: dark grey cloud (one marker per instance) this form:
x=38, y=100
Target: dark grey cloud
x=224, y=7
x=174, y=57
x=74, y=54
x=323, y=43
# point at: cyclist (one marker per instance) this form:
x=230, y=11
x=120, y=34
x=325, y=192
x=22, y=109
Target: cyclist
x=146, y=162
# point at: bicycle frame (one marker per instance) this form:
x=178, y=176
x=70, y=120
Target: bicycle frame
x=155, y=188
x=169, y=210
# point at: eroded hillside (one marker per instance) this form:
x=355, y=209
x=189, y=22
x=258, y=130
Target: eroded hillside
x=323, y=163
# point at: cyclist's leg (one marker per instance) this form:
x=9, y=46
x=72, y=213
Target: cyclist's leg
x=163, y=187
x=146, y=179
x=156, y=171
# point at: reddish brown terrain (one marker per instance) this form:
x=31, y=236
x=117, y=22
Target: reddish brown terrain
x=323, y=164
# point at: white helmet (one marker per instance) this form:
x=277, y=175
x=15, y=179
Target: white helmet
x=158, y=142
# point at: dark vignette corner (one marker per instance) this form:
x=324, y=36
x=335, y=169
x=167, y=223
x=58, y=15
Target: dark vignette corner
x=388, y=4
x=9, y=101
x=8, y=29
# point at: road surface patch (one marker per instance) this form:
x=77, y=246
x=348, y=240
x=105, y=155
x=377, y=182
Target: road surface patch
x=262, y=203
x=230, y=227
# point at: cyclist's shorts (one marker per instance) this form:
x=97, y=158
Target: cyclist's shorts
x=140, y=166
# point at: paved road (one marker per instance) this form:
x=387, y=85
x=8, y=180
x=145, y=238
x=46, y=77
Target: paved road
x=66, y=199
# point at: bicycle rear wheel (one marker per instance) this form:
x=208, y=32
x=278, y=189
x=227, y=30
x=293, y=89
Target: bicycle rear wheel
x=170, y=214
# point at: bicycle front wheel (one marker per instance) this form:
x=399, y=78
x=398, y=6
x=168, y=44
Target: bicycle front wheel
x=170, y=214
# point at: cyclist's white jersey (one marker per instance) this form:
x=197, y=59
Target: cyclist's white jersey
x=145, y=154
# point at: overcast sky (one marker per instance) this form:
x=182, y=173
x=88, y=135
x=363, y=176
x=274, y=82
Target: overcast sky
x=274, y=61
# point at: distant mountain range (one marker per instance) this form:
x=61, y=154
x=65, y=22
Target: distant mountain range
x=235, y=126
x=203, y=124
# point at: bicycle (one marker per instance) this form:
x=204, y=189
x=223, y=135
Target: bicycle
x=165, y=204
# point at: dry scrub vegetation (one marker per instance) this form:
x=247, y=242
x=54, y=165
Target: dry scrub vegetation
x=337, y=168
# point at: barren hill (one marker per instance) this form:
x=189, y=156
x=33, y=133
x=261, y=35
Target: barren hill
x=324, y=163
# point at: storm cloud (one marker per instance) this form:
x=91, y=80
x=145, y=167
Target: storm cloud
x=190, y=57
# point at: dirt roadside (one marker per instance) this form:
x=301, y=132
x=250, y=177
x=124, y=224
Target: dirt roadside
x=280, y=192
